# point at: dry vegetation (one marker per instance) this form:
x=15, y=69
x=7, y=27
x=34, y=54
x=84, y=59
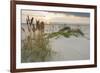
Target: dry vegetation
x=36, y=47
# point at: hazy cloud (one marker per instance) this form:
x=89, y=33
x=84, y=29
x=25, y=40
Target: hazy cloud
x=57, y=17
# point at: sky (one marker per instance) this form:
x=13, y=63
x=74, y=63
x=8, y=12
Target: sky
x=57, y=17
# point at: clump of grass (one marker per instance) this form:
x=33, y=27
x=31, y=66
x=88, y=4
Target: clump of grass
x=35, y=48
x=66, y=32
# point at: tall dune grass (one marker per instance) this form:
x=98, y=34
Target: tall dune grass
x=36, y=47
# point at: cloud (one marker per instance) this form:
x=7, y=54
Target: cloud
x=55, y=17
